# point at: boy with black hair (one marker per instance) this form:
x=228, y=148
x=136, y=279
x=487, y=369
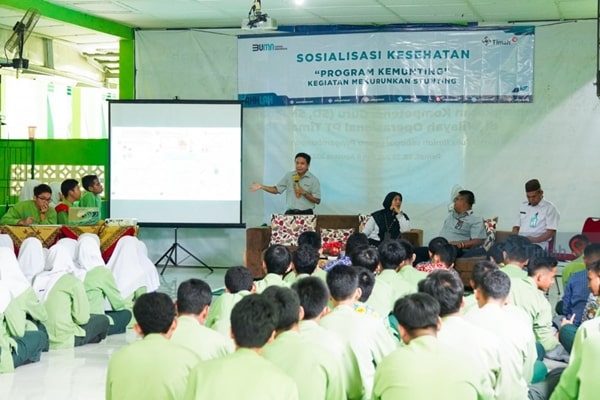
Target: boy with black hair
x=528, y=295
x=91, y=196
x=154, y=367
x=314, y=295
x=35, y=211
x=193, y=302
x=71, y=193
x=459, y=334
x=406, y=270
x=315, y=371
x=442, y=256
x=509, y=324
x=244, y=374
x=380, y=295
x=407, y=372
x=277, y=261
x=305, y=260
x=514, y=254
x=366, y=336
x=391, y=255
x=238, y=284
x=312, y=238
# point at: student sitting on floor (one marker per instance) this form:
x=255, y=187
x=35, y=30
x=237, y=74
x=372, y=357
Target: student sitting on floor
x=461, y=335
x=238, y=284
x=408, y=371
x=244, y=374
x=23, y=294
x=304, y=263
x=100, y=285
x=406, y=270
x=313, y=295
x=32, y=257
x=315, y=371
x=366, y=336
x=193, y=303
x=277, y=261
x=63, y=295
x=154, y=367
x=17, y=345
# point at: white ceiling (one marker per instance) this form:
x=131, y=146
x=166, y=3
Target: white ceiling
x=229, y=13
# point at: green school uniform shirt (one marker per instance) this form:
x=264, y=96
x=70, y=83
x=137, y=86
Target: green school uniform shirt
x=314, y=370
x=25, y=209
x=525, y=295
x=580, y=379
x=204, y=342
x=151, y=368
x=427, y=369
x=241, y=375
x=68, y=307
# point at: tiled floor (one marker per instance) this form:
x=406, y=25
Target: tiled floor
x=79, y=374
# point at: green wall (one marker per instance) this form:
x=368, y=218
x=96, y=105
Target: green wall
x=63, y=152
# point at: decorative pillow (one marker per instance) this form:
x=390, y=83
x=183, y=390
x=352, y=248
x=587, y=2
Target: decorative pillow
x=490, y=231
x=362, y=221
x=335, y=235
x=285, y=229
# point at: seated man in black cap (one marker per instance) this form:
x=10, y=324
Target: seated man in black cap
x=538, y=218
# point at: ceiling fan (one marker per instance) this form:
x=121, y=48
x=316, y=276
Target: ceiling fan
x=13, y=48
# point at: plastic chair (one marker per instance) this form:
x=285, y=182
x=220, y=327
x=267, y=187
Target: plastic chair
x=591, y=229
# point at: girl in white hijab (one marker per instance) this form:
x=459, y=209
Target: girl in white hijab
x=100, y=286
x=32, y=257
x=69, y=321
x=130, y=268
x=21, y=291
x=17, y=346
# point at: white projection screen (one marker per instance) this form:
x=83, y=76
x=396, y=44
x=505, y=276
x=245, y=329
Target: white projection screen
x=176, y=162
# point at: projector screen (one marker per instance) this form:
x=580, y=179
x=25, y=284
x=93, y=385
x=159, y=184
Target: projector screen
x=176, y=163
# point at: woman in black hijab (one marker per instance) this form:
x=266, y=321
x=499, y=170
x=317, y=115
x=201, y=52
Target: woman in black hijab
x=389, y=222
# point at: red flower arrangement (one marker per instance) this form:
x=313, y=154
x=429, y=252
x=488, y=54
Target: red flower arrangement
x=332, y=248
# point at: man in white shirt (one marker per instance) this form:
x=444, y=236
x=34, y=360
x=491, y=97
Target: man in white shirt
x=538, y=218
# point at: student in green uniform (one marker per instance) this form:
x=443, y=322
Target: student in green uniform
x=238, y=284
x=71, y=193
x=304, y=263
x=17, y=345
x=314, y=295
x=277, y=262
x=515, y=256
x=154, y=367
x=528, y=294
x=63, y=295
x=425, y=368
x=100, y=285
x=244, y=374
x=461, y=335
x=23, y=294
x=30, y=212
x=91, y=197
x=314, y=370
x=193, y=303
x=381, y=295
x=406, y=270
x=366, y=336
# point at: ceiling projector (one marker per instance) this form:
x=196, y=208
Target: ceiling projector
x=257, y=19
x=265, y=22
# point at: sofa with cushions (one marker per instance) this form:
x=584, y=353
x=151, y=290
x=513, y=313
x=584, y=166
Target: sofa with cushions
x=285, y=229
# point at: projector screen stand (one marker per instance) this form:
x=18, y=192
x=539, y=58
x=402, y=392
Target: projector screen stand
x=170, y=256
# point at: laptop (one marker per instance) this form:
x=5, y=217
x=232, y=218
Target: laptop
x=83, y=216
